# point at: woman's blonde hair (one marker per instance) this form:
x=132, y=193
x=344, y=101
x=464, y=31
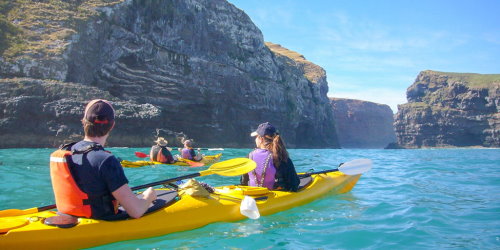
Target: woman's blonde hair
x=277, y=147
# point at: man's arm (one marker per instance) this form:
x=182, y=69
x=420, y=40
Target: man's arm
x=196, y=156
x=244, y=180
x=134, y=206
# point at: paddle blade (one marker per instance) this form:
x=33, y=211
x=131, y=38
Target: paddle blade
x=215, y=149
x=232, y=167
x=355, y=167
x=195, y=163
x=212, y=149
x=141, y=155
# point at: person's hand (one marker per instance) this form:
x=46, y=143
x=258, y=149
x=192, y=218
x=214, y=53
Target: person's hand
x=149, y=194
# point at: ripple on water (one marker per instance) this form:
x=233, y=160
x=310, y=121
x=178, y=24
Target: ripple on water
x=417, y=199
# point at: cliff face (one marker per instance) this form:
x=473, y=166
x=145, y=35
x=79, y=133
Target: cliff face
x=194, y=68
x=362, y=124
x=450, y=109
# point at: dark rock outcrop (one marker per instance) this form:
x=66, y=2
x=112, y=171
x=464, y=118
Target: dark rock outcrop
x=363, y=124
x=194, y=68
x=450, y=110
x=393, y=145
x=49, y=113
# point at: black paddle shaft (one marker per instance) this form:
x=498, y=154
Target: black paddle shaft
x=49, y=207
x=156, y=183
x=320, y=172
x=40, y=209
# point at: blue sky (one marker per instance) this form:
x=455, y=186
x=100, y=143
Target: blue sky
x=373, y=50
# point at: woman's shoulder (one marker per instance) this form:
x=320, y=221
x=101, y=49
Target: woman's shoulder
x=288, y=162
x=260, y=150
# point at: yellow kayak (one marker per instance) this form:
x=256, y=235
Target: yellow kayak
x=180, y=213
x=207, y=160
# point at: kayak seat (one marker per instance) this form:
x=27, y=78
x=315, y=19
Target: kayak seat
x=61, y=221
x=164, y=198
x=304, y=182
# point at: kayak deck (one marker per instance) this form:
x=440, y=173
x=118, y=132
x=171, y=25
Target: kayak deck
x=185, y=214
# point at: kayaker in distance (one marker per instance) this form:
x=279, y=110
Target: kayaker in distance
x=275, y=170
x=96, y=177
x=160, y=152
x=188, y=152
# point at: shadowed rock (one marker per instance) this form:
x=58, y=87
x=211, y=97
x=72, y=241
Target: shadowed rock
x=363, y=124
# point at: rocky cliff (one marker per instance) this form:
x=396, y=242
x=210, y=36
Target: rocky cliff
x=363, y=124
x=173, y=68
x=450, y=110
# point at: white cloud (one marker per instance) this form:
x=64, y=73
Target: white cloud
x=274, y=17
x=372, y=63
x=492, y=37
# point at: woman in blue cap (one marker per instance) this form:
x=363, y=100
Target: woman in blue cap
x=275, y=170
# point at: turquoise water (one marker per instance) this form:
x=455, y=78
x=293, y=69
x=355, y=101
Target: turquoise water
x=417, y=199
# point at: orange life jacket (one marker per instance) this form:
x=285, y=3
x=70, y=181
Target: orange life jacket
x=161, y=154
x=70, y=199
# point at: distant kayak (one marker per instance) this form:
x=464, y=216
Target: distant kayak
x=207, y=160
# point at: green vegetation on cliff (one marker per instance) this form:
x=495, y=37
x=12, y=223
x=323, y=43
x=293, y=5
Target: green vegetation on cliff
x=42, y=27
x=312, y=71
x=9, y=33
x=472, y=80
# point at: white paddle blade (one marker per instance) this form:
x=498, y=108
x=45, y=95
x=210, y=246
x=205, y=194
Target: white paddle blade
x=248, y=207
x=355, y=167
x=215, y=149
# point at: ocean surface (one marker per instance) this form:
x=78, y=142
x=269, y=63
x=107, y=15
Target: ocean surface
x=411, y=199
